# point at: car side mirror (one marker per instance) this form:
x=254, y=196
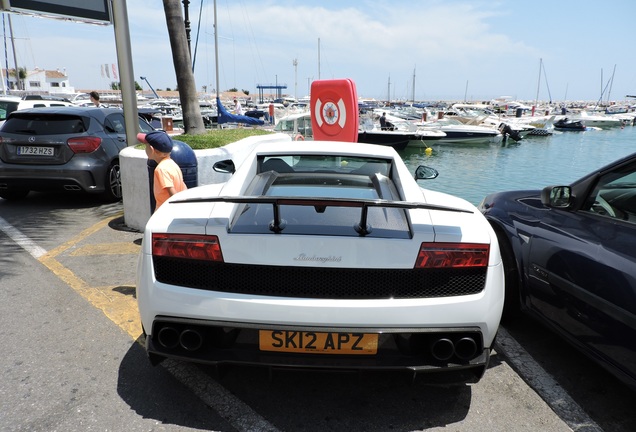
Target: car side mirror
x=224, y=166
x=557, y=196
x=425, y=173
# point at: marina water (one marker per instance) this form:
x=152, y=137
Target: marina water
x=472, y=171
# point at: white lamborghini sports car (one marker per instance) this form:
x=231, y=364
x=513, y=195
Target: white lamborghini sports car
x=322, y=254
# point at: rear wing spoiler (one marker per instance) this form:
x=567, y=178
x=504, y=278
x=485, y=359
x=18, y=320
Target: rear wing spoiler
x=320, y=204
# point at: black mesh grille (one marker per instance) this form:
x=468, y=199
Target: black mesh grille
x=312, y=282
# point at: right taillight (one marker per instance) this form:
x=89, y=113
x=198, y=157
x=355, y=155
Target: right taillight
x=87, y=144
x=452, y=255
x=187, y=246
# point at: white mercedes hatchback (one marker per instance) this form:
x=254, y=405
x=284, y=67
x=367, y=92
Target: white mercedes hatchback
x=322, y=255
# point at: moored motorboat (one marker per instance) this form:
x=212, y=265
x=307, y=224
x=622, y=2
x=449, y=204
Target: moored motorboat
x=457, y=132
x=597, y=120
x=515, y=127
x=396, y=132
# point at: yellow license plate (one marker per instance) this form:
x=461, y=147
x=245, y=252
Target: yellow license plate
x=318, y=343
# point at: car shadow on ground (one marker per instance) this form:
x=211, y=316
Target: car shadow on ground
x=293, y=399
x=153, y=393
x=40, y=202
x=369, y=401
x=42, y=216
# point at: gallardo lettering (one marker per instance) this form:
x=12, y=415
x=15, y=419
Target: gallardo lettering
x=330, y=258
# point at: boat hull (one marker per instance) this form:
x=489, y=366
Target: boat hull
x=398, y=141
x=453, y=136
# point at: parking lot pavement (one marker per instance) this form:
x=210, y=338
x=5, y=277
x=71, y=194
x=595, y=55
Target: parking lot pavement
x=100, y=264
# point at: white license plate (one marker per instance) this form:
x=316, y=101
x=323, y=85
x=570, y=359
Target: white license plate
x=35, y=151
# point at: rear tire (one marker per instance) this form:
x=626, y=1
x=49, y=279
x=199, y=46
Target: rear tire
x=113, y=190
x=13, y=194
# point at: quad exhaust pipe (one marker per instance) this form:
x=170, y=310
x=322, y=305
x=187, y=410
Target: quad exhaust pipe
x=188, y=339
x=443, y=349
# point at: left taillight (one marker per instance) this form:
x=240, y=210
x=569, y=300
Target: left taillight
x=84, y=144
x=452, y=255
x=187, y=246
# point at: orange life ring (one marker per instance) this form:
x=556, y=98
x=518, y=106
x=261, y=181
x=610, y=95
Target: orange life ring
x=299, y=137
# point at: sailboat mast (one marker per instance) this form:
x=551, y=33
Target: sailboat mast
x=413, y=98
x=5, y=82
x=536, y=100
x=318, y=58
x=610, y=87
x=216, y=51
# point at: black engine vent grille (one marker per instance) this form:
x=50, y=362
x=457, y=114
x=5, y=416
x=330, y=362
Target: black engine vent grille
x=323, y=283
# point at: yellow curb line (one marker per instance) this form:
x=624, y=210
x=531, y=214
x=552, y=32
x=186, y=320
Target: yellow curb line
x=120, y=248
x=119, y=308
x=78, y=238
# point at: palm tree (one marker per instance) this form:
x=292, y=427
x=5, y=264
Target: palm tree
x=192, y=119
x=19, y=79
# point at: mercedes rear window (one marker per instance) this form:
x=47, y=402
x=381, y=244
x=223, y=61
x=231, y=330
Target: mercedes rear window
x=45, y=124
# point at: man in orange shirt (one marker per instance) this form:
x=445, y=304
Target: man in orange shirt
x=168, y=178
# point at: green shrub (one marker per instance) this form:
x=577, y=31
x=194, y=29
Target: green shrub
x=218, y=137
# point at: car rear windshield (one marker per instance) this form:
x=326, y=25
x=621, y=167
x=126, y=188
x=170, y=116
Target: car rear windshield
x=318, y=177
x=45, y=124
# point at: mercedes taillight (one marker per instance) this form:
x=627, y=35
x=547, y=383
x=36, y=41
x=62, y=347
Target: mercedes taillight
x=84, y=144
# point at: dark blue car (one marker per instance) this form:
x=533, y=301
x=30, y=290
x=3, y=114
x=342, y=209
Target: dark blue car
x=570, y=259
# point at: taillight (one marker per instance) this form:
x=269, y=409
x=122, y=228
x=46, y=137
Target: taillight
x=188, y=246
x=452, y=255
x=84, y=144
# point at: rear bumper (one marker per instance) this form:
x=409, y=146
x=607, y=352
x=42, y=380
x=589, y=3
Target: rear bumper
x=427, y=350
x=78, y=177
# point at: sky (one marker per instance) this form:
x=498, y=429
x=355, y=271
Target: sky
x=428, y=50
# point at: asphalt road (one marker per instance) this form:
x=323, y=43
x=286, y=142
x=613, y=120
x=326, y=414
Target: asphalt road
x=72, y=359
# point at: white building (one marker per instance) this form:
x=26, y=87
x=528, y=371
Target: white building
x=39, y=81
